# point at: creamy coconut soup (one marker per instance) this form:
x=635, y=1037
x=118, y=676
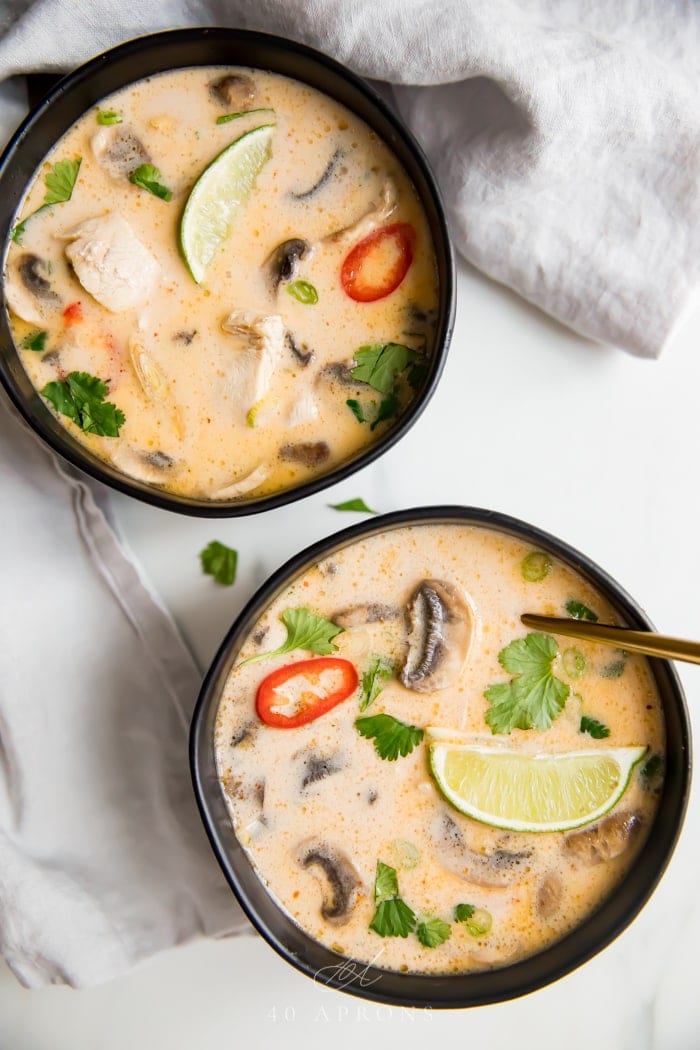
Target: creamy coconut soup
x=418, y=781
x=222, y=282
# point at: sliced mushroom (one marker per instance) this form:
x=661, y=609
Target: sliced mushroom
x=119, y=150
x=283, y=263
x=111, y=263
x=603, y=841
x=318, y=767
x=185, y=336
x=495, y=867
x=341, y=372
x=28, y=290
x=300, y=351
x=243, y=485
x=377, y=214
x=339, y=880
x=550, y=893
x=235, y=90
x=246, y=733
x=326, y=175
x=155, y=468
x=440, y=632
x=308, y=453
x=367, y=612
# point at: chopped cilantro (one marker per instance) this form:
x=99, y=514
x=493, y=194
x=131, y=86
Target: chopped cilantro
x=478, y=921
x=35, y=341
x=379, y=365
x=81, y=397
x=305, y=630
x=391, y=737
x=463, y=912
x=433, y=932
x=356, y=409
x=219, y=561
x=598, y=730
x=388, y=407
x=147, y=177
x=393, y=917
x=534, y=697
x=377, y=672
x=60, y=182
x=579, y=611
x=353, y=504
x=652, y=767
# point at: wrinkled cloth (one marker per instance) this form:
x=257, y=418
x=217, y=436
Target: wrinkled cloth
x=103, y=859
x=564, y=134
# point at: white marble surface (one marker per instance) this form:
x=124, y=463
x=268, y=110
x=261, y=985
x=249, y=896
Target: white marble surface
x=579, y=439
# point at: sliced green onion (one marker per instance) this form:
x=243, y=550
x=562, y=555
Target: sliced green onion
x=535, y=566
x=303, y=291
x=242, y=113
x=109, y=116
x=573, y=662
x=478, y=921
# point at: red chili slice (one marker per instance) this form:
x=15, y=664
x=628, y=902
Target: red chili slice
x=322, y=684
x=73, y=314
x=356, y=272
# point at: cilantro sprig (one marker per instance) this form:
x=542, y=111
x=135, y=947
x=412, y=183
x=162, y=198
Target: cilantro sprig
x=35, y=341
x=305, y=630
x=391, y=737
x=148, y=178
x=219, y=561
x=433, y=931
x=534, y=697
x=358, y=505
x=392, y=917
x=60, y=182
x=382, y=366
x=371, y=683
x=81, y=397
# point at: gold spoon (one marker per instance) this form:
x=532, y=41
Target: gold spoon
x=633, y=641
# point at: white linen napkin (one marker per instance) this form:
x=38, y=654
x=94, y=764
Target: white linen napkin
x=565, y=135
x=103, y=859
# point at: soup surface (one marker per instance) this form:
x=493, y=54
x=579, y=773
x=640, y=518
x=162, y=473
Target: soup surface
x=223, y=283
x=339, y=769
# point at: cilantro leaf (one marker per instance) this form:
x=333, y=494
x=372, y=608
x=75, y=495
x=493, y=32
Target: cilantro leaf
x=393, y=918
x=579, y=611
x=109, y=116
x=386, y=882
x=305, y=630
x=433, y=932
x=464, y=912
x=534, y=698
x=81, y=397
x=352, y=403
x=391, y=737
x=379, y=365
x=146, y=176
x=388, y=407
x=598, y=730
x=219, y=561
x=60, y=181
x=379, y=670
x=353, y=504
x=652, y=767
x=478, y=921
x=35, y=341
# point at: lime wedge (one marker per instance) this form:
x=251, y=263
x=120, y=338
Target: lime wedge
x=525, y=792
x=219, y=194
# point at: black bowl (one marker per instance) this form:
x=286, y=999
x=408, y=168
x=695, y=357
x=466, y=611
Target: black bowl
x=148, y=55
x=434, y=990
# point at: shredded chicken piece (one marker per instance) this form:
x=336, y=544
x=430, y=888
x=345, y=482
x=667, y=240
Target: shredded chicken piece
x=111, y=263
x=261, y=339
x=243, y=485
x=377, y=214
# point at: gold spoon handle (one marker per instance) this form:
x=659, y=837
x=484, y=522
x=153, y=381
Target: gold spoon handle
x=633, y=641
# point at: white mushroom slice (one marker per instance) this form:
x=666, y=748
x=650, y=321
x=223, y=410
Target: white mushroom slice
x=243, y=485
x=377, y=214
x=28, y=291
x=111, y=262
x=119, y=151
x=441, y=627
x=303, y=410
x=155, y=468
x=261, y=345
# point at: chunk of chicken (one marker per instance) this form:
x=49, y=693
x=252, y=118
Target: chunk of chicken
x=377, y=214
x=111, y=262
x=260, y=348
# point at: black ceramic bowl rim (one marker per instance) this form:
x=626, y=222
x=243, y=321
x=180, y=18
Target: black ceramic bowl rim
x=181, y=48
x=435, y=990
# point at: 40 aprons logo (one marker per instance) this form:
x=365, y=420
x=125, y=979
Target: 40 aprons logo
x=349, y=972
